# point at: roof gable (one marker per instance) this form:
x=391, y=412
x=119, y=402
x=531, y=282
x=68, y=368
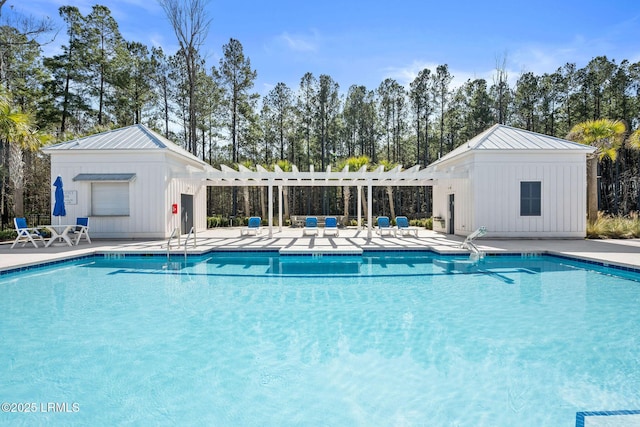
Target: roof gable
x=135, y=137
x=506, y=138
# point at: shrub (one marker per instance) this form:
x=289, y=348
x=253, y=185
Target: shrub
x=614, y=227
x=7, y=235
x=217, y=221
x=424, y=223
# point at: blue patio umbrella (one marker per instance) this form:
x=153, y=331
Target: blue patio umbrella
x=58, y=207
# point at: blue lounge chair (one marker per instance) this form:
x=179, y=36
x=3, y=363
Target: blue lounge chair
x=253, y=227
x=81, y=229
x=402, y=225
x=330, y=226
x=26, y=234
x=310, y=226
x=384, y=226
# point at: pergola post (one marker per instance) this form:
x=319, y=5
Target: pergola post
x=270, y=209
x=369, y=208
x=280, y=208
x=414, y=177
x=359, y=190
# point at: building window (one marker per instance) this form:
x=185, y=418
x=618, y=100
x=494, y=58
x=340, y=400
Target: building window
x=530, y=198
x=109, y=199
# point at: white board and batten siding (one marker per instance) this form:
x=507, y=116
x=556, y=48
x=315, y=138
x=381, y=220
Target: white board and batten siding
x=161, y=177
x=496, y=182
x=485, y=177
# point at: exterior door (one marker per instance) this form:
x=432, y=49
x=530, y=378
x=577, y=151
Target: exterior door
x=452, y=224
x=186, y=213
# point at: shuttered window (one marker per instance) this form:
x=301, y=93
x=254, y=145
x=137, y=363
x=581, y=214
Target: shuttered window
x=109, y=199
x=530, y=198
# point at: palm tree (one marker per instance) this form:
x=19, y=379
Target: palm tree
x=607, y=136
x=17, y=131
x=285, y=166
x=633, y=142
x=355, y=163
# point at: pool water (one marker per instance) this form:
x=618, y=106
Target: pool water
x=383, y=339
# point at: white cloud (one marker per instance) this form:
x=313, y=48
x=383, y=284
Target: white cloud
x=299, y=42
x=405, y=75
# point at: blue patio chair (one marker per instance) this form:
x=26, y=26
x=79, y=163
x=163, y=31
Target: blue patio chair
x=81, y=229
x=310, y=226
x=402, y=225
x=253, y=226
x=330, y=226
x=26, y=234
x=384, y=226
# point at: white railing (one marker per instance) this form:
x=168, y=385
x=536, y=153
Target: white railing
x=175, y=234
x=471, y=246
x=186, y=241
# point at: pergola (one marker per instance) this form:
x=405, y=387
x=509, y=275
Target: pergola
x=261, y=177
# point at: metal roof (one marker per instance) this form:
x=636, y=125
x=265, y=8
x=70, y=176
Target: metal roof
x=506, y=138
x=104, y=177
x=135, y=137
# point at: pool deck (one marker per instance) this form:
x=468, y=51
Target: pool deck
x=624, y=253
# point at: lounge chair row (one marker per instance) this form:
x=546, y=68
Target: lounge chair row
x=331, y=226
x=402, y=227
x=58, y=232
x=310, y=226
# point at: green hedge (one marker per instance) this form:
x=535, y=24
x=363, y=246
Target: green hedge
x=220, y=221
x=7, y=235
x=217, y=221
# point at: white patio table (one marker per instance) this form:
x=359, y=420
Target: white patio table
x=58, y=232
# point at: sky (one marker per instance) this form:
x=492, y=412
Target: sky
x=364, y=42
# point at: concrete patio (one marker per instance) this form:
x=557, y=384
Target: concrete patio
x=624, y=253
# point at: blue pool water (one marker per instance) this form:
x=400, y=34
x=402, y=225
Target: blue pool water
x=385, y=339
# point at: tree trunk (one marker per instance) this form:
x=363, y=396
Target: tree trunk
x=263, y=203
x=592, y=188
x=638, y=199
x=346, y=195
x=16, y=175
x=245, y=193
x=392, y=207
x=285, y=202
x=364, y=202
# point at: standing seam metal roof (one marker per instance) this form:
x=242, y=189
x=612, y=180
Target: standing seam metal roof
x=135, y=137
x=505, y=138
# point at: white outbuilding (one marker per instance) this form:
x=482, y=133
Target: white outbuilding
x=134, y=183
x=515, y=183
x=131, y=183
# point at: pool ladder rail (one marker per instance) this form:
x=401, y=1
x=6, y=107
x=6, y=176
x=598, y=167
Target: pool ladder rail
x=471, y=246
x=186, y=241
x=175, y=234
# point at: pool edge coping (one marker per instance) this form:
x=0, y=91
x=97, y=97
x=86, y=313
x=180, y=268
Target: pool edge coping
x=275, y=251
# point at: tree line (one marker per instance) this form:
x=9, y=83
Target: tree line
x=99, y=80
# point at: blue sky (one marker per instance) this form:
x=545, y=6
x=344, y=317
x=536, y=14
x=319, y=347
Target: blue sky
x=364, y=42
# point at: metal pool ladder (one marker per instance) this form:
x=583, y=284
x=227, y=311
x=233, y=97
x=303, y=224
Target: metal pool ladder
x=471, y=246
x=175, y=234
x=186, y=241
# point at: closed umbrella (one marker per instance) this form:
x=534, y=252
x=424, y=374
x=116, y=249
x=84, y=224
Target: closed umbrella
x=58, y=207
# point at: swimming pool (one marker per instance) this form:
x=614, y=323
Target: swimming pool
x=383, y=339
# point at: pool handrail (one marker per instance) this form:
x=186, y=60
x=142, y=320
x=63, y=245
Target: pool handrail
x=186, y=241
x=470, y=245
x=175, y=234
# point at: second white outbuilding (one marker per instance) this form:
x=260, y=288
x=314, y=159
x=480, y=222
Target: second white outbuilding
x=514, y=182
